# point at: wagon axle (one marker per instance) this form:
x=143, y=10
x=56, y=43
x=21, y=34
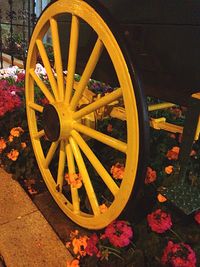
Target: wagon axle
x=57, y=121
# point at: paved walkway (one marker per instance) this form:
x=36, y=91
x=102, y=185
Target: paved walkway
x=26, y=238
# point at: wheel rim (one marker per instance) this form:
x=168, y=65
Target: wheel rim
x=66, y=146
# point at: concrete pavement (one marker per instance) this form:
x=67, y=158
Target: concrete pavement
x=26, y=238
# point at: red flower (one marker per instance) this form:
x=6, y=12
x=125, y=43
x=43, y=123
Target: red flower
x=150, y=176
x=91, y=248
x=20, y=77
x=44, y=101
x=9, y=100
x=197, y=216
x=159, y=221
x=178, y=255
x=119, y=233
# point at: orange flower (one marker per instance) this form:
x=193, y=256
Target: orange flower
x=117, y=171
x=23, y=145
x=161, y=198
x=16, y=131
x=13, y=154
x=10, y=138
x=103, y=208
x=74, y=179
x=2, y=144
x=150, y=176
x=73, y=234
x=79, y=245
x=73, y=263
x=169, y=169
x=173, y=153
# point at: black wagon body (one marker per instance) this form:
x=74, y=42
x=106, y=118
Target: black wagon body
x=163, y=38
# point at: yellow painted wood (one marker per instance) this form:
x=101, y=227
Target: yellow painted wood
x=57, y=57
x=48, y=68
x=42, y=86
x=72, y=170
x=91, y=64
x=61, y=166
x=96, y=163
x=35, y=106
x=85, y=177
x=39, y=134
x=72, y=120
x=103, y=101
x=197, y=130
x=105, y=139
x=50, y=154
x=196, y=95
x=161, y=124
x=72, y=58
x=161, y=106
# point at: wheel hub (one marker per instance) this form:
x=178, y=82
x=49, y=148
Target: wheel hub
x=57, y=121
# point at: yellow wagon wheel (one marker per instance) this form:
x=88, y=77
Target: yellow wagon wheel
x=66, y=147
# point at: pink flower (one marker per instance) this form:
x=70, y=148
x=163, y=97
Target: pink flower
x=3, y=84
x=197, y=216
x=91, y=248
x=119, y=233
x=150, y=176
x=178, y=255
x=159, y=221
x=109, y=128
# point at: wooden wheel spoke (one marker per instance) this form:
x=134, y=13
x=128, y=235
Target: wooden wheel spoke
x=96, y=163
x=42, y=86
x=47, y=66
x=50, y=154
x=61, y=166
x=35, y=106
x=85, y=177
x=90, y=66
x=39, y=134
x=103, y=138
x=72, y=57
x=57, y=57
x=103, y=101
x=71, y=171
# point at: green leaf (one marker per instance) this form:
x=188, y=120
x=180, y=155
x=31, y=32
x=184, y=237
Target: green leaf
x=184, y=196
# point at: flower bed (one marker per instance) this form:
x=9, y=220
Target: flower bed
x=161, y=235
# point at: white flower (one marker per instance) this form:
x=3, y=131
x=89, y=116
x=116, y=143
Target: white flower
x=40, y=70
